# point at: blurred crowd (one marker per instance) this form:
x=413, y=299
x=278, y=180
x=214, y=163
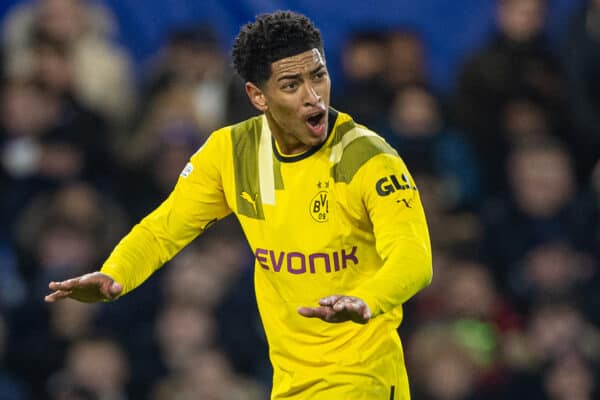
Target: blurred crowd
x=507, y=166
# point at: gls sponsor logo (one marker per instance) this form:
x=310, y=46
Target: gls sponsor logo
x=299, y=263
x=389, y=184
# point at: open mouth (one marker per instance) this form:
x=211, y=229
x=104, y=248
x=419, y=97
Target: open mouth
x=316, y=122
x=316, y=119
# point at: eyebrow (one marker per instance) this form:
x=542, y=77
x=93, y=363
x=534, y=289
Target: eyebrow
x=296, y=76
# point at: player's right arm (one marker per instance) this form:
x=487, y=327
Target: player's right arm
x=195, y=203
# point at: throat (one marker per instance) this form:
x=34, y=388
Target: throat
x=290, y=149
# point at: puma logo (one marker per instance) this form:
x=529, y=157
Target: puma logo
x=250, y=200
x=407, y=203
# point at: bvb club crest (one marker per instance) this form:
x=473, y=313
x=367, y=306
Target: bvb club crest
x=319, y=205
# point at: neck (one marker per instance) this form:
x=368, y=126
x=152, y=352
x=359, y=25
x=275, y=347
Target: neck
x=286, y=144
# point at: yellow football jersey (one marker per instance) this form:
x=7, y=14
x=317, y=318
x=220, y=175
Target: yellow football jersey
x=342, y=218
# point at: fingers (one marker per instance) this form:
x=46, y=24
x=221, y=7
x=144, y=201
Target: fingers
x=329, y=300
x=57, y=295
x=353, y=305
x=111, y=289
x=347, y=303
x=87, y=288
x=69, y=284
x=115, y=289
x=337, y=308
x=323, y=313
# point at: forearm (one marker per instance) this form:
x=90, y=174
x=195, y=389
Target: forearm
x=406, y=271
x=136, y=257
x=150, y=244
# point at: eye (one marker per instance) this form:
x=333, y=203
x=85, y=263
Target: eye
x=289, y=86
x=319, y=75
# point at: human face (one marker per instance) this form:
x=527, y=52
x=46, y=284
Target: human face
x=521, y=20
x=295, y=100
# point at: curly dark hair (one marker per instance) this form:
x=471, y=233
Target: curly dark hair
x=269, y=38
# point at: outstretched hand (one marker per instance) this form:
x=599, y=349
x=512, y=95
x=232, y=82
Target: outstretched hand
x=339, y=308
x=88, y=288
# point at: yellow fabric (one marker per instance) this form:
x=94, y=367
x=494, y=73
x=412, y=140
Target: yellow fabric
x=323, y=235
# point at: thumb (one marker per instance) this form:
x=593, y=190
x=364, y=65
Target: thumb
x=114, y=289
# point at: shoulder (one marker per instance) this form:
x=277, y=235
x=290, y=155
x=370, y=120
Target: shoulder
x=353, y=146
x=243, y=132
x=246, y=131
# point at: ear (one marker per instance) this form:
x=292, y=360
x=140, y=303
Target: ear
x=256, y=96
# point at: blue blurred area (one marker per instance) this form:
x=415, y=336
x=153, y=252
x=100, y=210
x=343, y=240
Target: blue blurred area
x=451, y=29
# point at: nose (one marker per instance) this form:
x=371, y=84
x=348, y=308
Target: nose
x=312, y=97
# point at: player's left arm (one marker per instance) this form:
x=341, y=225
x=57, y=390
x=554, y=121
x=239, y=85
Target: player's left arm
x=390, y=196
x=392, y=200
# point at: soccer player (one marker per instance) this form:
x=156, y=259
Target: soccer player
x=328, y=207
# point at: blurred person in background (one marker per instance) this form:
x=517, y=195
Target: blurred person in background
x=96, y=366
x=168, y=133
x=192, y=59
x=472, y=295
x=182, y=330
x=524, y=119
x=363, y=92
x=53, y=68
x=207, y=375
x=57, y=234
x=556, y=332
x=33, y=160
x=572, y=377
x=517, y=59
x=544, y=204
x=444, y=367
x=554, y=270
x=307, y=152
x=67, y=230
x=450, y=228
x=102, y=72
x=406, y=62
x=481, y=316
x=47, y=137
x=581, y=58
x=44, y=337
x=416, y=127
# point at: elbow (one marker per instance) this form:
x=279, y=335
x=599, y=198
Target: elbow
x=426, y=271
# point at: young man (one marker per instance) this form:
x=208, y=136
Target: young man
x=329, y=209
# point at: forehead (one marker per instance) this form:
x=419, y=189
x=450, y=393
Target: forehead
x=298, y=63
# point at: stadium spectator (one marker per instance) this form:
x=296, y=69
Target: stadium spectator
x=102, y=71
x=581, y=58
x=168, y=133
x=192, y=58
x=418, y=129
x=544, y=205
x=516, y=60
x=444, y=367
x=208, y=375
x=363, y=92
x=96, y=366
x=405, y=61
x=571, y=377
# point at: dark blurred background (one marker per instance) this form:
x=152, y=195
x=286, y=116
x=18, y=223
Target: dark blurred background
x=494, y=105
